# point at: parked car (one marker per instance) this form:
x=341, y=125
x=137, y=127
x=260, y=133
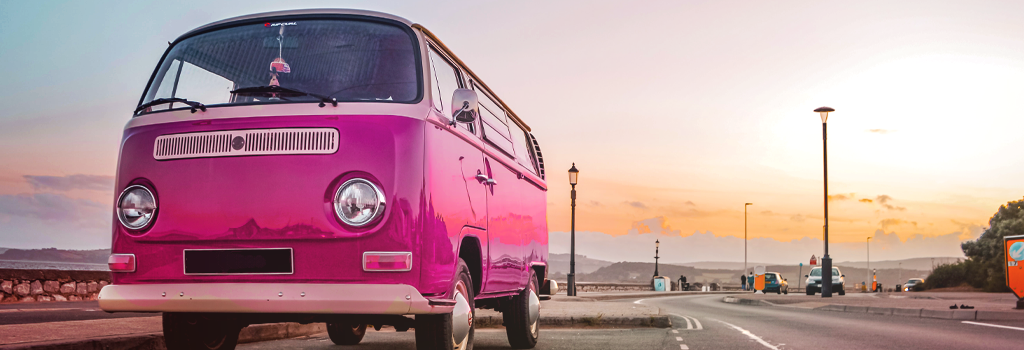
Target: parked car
x=336, y=166
x=909, y=286
x=774, y=282
x=814, y=281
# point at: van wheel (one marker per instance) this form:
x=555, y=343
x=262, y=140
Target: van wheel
x=346, y=333
x=810, y=291
x=522, y=319
x=195, y=331
x=842, y=292
x=452, y=331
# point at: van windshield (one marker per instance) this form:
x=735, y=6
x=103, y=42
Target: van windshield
x=348, y=60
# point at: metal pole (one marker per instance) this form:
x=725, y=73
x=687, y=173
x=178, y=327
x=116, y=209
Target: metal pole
x=572, y=248
x=900, y=279
x=826, y=261
x=656, y=261
x=868, y=244
x=744, y=238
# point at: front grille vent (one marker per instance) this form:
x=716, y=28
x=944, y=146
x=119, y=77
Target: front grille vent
x=252, y=142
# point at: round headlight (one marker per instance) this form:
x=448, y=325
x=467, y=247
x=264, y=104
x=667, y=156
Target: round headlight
x=358, y=202
x=136, y=207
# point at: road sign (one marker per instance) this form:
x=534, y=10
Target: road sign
x=1013, y=247
x=814, y=260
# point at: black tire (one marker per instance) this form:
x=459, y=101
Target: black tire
x=346, y=333
x=521, y=333
x=434, y=332
x=842, y=291
x=810, y=291
x=197, y=331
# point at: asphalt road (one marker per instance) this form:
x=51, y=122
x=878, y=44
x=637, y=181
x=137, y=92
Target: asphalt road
x=705, y=322
x=23, y=313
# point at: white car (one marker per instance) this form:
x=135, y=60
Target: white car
x=814, y=281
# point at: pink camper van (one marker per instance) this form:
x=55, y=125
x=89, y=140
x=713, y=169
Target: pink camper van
x=331, y=166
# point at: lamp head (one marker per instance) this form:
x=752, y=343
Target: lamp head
x=657, y=243
x=573, y=174
x=823, y=111
x=748, y=203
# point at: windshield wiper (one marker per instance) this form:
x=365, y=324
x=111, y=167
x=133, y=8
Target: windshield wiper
x=259, y=90
x=195, y=105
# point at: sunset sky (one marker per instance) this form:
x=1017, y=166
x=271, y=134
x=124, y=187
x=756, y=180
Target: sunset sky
x=675, y=112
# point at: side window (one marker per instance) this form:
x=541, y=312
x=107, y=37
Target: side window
x=494, y=125
x=445, y=79
x=522, y=148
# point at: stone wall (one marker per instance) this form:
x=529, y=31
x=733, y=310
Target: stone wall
x=50, y=285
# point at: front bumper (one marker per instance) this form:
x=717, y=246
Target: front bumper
x=295, y=298
x=835, y=286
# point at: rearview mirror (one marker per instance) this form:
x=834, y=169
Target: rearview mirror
x=465, y=106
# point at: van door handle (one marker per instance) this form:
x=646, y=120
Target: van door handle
x=482, y=178
x=491, y=182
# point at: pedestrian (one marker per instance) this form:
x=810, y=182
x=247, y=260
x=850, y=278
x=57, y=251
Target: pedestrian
x=750, y=280
x=743, y=282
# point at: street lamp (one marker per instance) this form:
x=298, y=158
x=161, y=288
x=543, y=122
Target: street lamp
x=656, y=245
x=868, y=244
x=573, y=175
x=745, y=236
x=826, y=261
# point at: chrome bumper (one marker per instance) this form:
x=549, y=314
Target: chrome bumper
x=368, y=299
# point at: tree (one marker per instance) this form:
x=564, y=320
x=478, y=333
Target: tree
x=987, y=250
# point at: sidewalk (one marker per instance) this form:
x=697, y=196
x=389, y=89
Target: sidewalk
x=987, y=306
x=126, y=333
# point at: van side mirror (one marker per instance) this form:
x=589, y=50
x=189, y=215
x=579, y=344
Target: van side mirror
x=842, y=275
x=806, y=276
x=465, y=106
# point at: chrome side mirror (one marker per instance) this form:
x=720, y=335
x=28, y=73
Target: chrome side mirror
x=465, y=106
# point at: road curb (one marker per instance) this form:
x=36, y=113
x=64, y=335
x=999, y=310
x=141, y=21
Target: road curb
x=977, y=315
x=646, y=295
x=596, y=321
x=155, y=341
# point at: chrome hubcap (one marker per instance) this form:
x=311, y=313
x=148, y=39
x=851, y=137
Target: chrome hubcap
x=462, y=319
x=534, y=310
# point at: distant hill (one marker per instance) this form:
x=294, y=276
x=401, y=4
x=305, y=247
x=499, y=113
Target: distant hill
x=559, y=263
x=97, y=256
x=922, y=264
x=722, y=265
x=636, y=272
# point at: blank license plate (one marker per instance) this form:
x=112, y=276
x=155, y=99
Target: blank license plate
x=238, y=261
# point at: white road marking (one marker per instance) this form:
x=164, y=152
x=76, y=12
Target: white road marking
x=994, y=325
x=675, y=331
x=688, y=324
x=697, y=322
x=679, y=338
x=751, y=335
x=683, y=347
x=638, y=301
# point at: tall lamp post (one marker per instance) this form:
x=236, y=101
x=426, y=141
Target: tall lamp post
x=745, y=237
x=826, y=261
x=868, y=244
x=573, y=175
x=656, y=245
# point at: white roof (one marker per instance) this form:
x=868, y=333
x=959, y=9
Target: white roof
x=304, y=12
